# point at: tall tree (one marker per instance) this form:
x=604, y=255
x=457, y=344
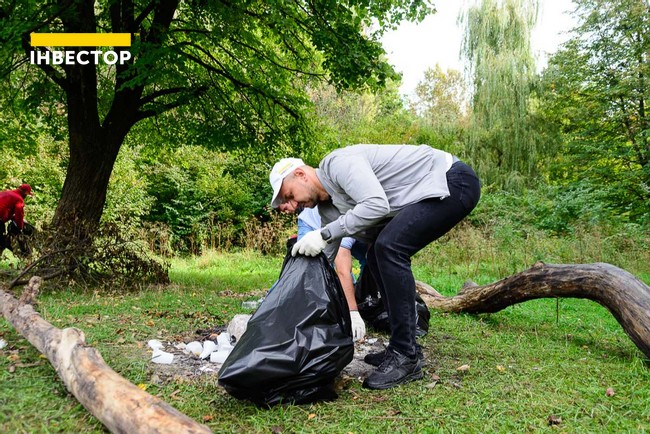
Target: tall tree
x=597, y=94
x=360, y=117
x=441, y=96
x=441, y=103
x=502, y=144
x=235, y=69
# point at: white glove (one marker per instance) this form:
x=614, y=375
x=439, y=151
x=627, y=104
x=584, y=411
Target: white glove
x=358, y=326
x=310, y=245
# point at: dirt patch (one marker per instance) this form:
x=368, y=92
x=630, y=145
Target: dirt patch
x=187, y=367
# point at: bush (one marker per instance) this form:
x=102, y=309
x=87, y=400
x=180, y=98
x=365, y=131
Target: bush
x=44, y=170
x=197, y=198
x=108, y=258
x=127, y=199
x=269, y=237
x=554, y=210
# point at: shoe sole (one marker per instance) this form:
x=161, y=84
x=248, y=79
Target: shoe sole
x=411, y=377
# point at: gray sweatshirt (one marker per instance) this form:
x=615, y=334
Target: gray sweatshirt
x=369, y=183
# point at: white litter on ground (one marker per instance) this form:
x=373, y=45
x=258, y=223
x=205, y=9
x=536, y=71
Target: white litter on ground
x=237, y=326
x=162, y=357
x=196, y=358
x=219, y=356
x=3, y=343
x=208, y=348
x=223, y=341
x=194, y=348
x=210, y=351
x=155, y=344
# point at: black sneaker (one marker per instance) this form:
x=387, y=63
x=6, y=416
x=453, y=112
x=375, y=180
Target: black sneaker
x=375, y=359
x=395, y=369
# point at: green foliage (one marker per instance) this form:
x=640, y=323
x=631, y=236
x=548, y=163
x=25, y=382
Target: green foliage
x=25, y=129
x=508, y=233
x=194, y=192
x=441, y=97
x=225, y=75
x=346, y=118
x=17, y=135
x=44, y=169
x=553, y=209
x=441, y=103
x=596, y=94
x=503, y=145
x=128, y=199
x=268, y=236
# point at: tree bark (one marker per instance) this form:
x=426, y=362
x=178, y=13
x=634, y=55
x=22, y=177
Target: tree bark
x=119, y=405
x=95, y=144
x=624, y=295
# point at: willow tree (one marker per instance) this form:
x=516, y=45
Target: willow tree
x=497, y=46
x=235, y=70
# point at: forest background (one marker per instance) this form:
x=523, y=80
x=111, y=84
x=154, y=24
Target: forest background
x=563, y=151
x=163, y=165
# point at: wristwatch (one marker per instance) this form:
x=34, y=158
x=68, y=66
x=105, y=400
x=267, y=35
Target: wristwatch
x=326, y=234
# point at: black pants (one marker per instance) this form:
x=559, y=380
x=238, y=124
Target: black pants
x=4, y=241
x=413, y=228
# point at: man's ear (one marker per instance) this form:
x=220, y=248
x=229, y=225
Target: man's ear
x=299, y=173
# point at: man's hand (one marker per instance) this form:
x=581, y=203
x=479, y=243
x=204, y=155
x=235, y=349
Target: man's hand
x=358, y=326
x=310, y=245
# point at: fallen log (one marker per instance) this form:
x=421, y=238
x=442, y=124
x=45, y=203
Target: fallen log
x=624, y=295
x=120, y=405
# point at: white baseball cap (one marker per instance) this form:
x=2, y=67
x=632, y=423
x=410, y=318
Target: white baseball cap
x=280, y=171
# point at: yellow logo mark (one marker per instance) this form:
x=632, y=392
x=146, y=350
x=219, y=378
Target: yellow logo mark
x=285, y=167
x=80, y=39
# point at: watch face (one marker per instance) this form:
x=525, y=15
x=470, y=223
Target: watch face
x=325, y=233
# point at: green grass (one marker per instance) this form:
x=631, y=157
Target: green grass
x=527, y=362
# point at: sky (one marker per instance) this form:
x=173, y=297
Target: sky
x=414, y=48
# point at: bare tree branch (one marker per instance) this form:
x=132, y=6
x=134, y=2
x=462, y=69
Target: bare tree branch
x=624, y=295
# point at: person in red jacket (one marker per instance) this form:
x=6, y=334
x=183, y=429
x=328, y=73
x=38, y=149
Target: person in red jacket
x=12, y=208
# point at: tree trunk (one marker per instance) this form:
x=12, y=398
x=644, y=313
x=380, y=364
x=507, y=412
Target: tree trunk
x=84, y=190
x=83, y=195
x=119, y=405
x=94, y=145
x=625, y=296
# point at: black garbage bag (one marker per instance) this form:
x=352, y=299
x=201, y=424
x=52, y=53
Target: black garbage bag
x=297, y=341
x=372, y=310
x=20, y=237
